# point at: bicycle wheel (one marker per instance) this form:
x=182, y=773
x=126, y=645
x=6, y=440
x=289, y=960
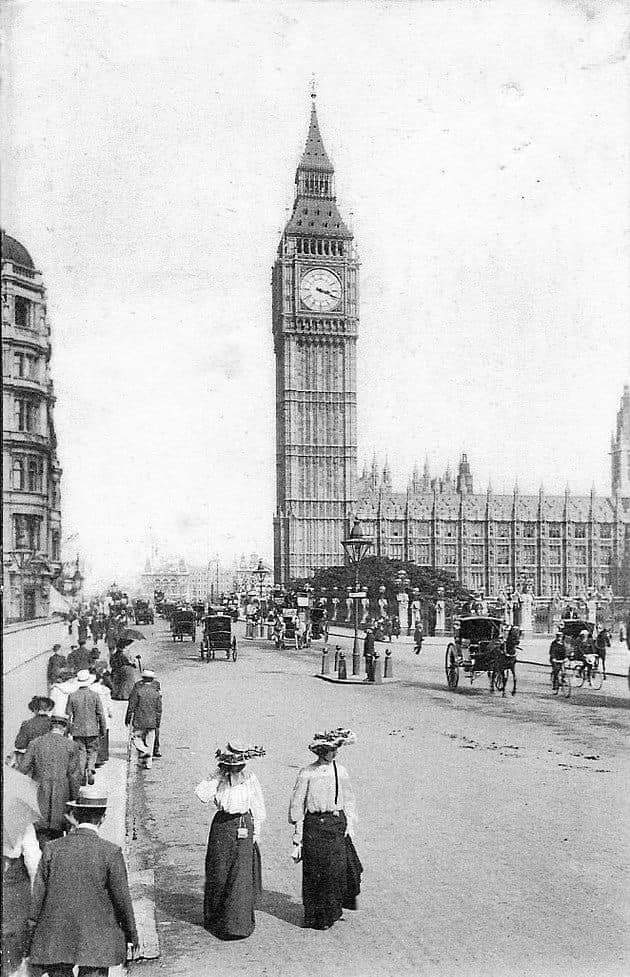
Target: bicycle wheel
x=597, y=677
x=578, y=676
x=565, y=684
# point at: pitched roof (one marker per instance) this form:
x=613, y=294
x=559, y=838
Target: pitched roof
x=315, y=156
x=316, y=217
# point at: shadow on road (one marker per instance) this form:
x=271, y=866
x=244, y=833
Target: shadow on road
x=280, y=905
x=186, y=906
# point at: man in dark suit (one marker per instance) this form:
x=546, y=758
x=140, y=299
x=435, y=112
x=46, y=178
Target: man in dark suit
x=156, y=685
x=144, y=715
x=54, y=763
x=87, y=721
x=81, y=911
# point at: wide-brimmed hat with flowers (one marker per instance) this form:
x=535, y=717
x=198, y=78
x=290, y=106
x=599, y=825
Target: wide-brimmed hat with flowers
x=332, y=739
x=236, y=753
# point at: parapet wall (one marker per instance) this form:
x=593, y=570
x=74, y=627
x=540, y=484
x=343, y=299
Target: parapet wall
x=26, y=648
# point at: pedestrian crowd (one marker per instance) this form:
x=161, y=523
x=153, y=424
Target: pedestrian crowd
x=66, y=900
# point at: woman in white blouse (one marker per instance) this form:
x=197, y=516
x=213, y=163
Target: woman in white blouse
x=233, y=873
x=322, y=809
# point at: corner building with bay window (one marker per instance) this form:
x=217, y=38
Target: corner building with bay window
x=31, y=472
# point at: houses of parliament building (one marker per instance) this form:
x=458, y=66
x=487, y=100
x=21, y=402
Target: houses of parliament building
x=560, y=545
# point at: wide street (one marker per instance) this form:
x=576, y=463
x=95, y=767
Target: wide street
x=493, y=831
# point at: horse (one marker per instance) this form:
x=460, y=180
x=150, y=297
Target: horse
x=503, y=661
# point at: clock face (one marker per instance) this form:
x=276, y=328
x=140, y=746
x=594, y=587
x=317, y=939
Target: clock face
x=320, y=290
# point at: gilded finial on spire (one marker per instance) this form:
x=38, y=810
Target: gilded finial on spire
x=313, y=87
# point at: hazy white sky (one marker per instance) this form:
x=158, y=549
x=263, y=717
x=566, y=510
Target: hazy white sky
x=483, y=150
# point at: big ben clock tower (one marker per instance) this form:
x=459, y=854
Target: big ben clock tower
x=315, y=323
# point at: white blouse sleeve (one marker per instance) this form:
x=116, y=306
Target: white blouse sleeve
x=206, y=790
x=31, y=852
x=257, y=804
x=349, y=801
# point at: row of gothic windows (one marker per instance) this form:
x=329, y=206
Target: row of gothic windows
x=320, y=246
x=528, y=530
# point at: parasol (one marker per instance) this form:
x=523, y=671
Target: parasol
x=19, y=805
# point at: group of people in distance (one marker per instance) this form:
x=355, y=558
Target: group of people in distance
x=322, y=812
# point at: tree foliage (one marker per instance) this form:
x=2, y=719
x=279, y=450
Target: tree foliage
x=377, y=571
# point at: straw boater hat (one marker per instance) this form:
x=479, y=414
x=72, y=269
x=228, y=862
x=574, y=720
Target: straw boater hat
x=331, y=740
x=148, y=674
x=59, y=720
x=89, y=797
x=237, y=753
x=85, y=677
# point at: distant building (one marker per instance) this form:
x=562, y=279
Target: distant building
x=31, y=493
x=171, y=577
x=558, y=544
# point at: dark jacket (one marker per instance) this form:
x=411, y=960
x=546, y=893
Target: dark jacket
x=30, y=730
x=144, y=710
x=557, y=650
x=368, y=643
x=54, y=762
x=56, y=664
x=87, y=716
x=79, y=659
x=81, y=903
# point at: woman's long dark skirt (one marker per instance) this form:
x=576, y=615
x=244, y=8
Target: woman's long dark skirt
x=233, y=878
x=324, y=872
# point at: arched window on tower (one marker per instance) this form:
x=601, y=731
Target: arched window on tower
x=18, y=473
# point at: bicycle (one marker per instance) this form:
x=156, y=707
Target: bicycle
x=588, y=671
x=561, y=679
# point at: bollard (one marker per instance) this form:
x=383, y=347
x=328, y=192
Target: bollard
x=325, y=662
x=389, y=668
x=369, y=668
x=249, y=629
x=337, y=650
x=341, y=671
x=377, y=673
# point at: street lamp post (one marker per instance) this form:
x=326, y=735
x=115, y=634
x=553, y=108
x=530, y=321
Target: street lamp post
x=356, y=548
x=261, y=572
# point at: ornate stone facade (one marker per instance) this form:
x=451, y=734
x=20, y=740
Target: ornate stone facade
x=315, y=323
x=558, y=545
x=31, y=472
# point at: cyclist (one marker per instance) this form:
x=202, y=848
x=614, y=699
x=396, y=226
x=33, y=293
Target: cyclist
x=585, y=653
x=557, y=657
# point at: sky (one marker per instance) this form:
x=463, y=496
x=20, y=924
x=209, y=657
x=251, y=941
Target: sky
x=481, y=152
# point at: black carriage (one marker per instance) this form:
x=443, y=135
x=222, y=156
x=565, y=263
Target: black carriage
x=480, y=644
x=217, y=636
x=143, y=612
x=200, y=610
x=183, y=622
x=571, y=630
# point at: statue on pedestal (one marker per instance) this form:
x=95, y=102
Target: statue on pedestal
x=440, y=612
x=591, y=608
x=527, y=611
x=335, y=605
x=365, y=609
x=402, y=600
x=383, y=606
x=349, y=607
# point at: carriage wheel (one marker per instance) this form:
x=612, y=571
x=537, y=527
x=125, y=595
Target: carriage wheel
x=597, y=677
x=451, y=667
x=234, y=651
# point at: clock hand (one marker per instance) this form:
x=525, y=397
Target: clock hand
x=326, y=292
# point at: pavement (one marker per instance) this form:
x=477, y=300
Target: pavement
x=493, y=831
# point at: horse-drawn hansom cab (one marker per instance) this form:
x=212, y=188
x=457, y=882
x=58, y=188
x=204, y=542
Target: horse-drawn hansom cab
x=183, y=622
x=217, y=636
x=482, y=644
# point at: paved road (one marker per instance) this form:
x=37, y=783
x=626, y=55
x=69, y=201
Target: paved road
x=493, y=831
